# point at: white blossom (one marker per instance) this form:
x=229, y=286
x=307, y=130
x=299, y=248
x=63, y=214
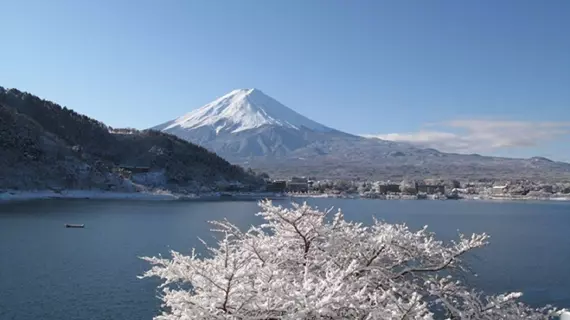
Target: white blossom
x=299, y=264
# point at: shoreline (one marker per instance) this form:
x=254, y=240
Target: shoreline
x=434, y=197
x=16, y=195
x=31, y=195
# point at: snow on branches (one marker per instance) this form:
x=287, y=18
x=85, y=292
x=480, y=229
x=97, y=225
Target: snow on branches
x=301, y=264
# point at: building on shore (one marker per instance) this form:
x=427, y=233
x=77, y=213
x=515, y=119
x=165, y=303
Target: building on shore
x=499, y=190
x=430, y=189
x=127, y=171
x=388, y=188
x=277, y=186
x=298, y=185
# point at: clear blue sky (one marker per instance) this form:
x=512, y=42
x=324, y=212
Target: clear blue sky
x=406, y=68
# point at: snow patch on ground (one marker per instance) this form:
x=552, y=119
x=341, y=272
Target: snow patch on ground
x=153, y=178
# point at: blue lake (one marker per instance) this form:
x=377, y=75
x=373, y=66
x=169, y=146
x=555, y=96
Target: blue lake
x=49, y=272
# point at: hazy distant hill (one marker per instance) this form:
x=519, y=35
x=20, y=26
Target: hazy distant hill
x=44, y=145
x=248, y=127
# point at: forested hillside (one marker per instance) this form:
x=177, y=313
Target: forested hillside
x=44, y=145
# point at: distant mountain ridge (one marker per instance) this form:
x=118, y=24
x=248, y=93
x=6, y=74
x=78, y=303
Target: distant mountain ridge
x=248, y=127
x=44, y=145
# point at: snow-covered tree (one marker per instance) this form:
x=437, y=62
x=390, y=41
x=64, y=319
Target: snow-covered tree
x=301, y=264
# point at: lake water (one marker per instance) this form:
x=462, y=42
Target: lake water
x=52, y=273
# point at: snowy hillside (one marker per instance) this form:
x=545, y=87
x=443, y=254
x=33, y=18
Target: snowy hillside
x=46, y=146
x=241, y=110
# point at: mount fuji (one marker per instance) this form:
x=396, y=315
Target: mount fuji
x=250, y=128
x=241, y=110
x=247, y=123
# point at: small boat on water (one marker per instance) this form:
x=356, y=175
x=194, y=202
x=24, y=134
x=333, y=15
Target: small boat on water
x=74, y=225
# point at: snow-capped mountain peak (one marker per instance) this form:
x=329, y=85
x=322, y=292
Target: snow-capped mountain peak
x=241, y=110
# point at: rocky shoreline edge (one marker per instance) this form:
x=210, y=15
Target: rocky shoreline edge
x=19, y=195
